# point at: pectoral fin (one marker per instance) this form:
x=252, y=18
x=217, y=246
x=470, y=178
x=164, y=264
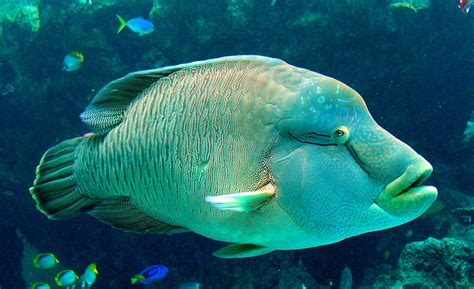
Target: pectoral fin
x=243, y=202
x=241, y=251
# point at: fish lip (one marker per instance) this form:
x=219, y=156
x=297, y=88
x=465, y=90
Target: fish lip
x=412, y=178
x=404, y=197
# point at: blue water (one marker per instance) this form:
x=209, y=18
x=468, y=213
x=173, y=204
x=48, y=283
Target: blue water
x=414, y=71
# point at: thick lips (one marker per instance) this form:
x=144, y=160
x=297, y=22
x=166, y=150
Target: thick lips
x=405, y=195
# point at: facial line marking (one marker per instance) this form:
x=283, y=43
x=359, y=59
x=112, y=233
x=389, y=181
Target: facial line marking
x=308, y=142
x=356, y=157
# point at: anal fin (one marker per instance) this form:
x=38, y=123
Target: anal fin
x=241, y=251
x=121, y=213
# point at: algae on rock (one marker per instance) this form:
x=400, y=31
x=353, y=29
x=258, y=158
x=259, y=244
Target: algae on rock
x=23, y=12
x=433, y=263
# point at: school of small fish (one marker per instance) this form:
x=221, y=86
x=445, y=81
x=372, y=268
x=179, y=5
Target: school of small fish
x=74, y=59
x=66, y=278
x=70, y=280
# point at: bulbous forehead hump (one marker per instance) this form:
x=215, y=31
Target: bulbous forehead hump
x=330, y=93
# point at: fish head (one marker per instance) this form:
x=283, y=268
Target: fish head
x=337, y=172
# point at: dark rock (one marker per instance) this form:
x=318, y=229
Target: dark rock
x=433, y=263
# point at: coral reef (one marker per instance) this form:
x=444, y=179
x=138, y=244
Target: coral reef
x=469, y=130
x=240, y=10
x=414, y=5
x=23, y=12
x=282, y=272
x=462, y=219
x=431, y=264
x=446, y=263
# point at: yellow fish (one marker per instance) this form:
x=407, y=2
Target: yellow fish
x=73, y=61
x=45, y=261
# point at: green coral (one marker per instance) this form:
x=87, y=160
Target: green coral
x=414, y=5
x=239, y=11
x=25, y=13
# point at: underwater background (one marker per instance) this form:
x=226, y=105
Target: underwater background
x=412, y=61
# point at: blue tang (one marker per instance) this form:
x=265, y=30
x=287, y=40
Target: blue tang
x=138, y=25
x=151, y=275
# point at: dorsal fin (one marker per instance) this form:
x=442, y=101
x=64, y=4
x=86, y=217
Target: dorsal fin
x=108, y=106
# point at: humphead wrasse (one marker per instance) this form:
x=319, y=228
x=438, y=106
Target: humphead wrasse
x=245, y=149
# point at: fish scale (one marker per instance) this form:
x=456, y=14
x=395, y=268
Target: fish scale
x=176, y=161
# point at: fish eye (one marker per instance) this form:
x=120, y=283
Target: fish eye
x=341, y=134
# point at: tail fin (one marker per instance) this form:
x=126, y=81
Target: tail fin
x=123, y=23
x=55, y=187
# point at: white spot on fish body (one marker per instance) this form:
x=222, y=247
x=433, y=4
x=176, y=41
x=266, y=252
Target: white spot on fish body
x=328, y=106
x=302, y=99
x=337, y=89
x=318, y=89
x=321, y=99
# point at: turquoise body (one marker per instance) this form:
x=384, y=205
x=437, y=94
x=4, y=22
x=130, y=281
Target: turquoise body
x=40, y=286
x=237, y=149
x=66, y=278
x=45, y=261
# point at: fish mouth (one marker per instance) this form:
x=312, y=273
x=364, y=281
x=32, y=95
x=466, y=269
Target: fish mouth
x=406, y=195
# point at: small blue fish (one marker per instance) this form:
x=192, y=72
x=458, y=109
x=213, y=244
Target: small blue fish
x=45, y=261
x=40, y=285
x=151, y=275
x=73, y=61
x=138, y=25
x=66, y=278
x=191, y=285
x=89, y=276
